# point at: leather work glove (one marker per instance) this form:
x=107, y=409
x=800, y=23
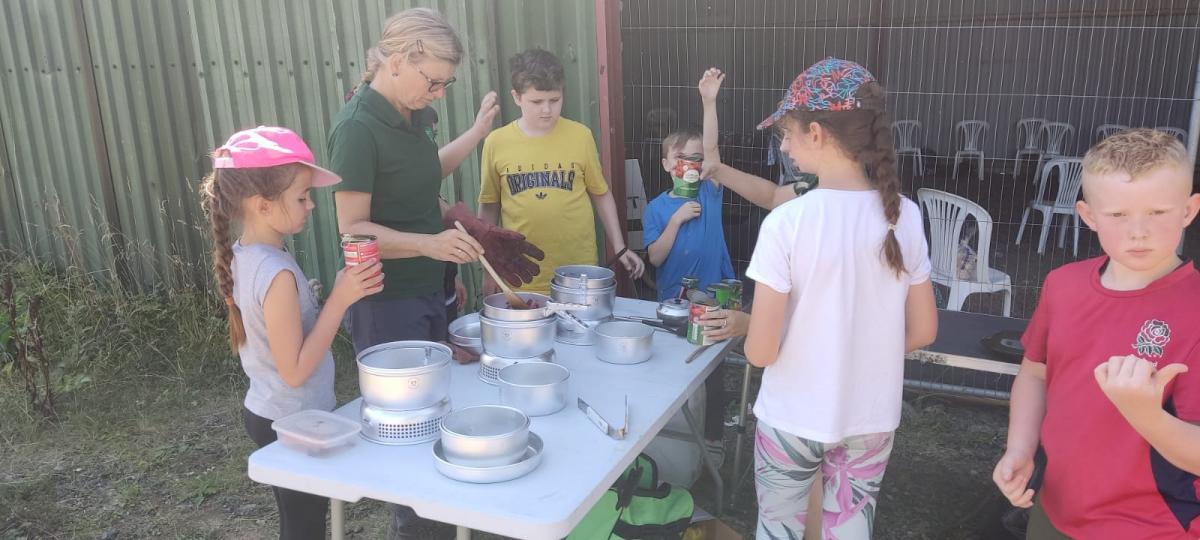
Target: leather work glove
x=507, y=251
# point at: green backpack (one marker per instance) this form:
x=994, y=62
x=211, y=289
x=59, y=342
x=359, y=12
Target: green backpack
x=638, y=507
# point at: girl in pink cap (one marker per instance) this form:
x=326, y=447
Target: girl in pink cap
x=842, y=293
x=261, y=181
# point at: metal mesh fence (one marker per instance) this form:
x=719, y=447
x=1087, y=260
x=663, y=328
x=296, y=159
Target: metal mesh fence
x=1073, y=64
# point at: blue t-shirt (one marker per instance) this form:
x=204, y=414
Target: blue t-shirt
x=699, y=248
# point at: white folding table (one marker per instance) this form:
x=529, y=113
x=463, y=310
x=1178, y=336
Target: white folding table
x=579, y=462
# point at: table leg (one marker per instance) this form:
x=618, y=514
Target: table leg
x=708, y=464
x=743, y=406
x=337, y=520
x=462, y=533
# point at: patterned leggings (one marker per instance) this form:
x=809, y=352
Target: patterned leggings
x=784, y=468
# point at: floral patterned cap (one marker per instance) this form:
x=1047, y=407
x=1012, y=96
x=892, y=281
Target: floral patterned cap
x=828, y=85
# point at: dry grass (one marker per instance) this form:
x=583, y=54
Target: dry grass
x=153, y=446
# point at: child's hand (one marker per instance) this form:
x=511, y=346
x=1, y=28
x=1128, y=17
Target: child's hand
x=1135, y=386
x=710, y=85
x=355, y=282
x=486, y=117
x=633, y=264
x=1012, y=475
x=689, y=211
x=710, y=166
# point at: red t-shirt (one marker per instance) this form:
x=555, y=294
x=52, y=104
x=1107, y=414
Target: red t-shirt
x=1102, y=479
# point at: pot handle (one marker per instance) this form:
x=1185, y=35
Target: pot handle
x=578, y=322
x=552, y=308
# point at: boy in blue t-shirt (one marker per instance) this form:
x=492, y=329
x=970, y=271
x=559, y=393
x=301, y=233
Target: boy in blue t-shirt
x=682, y=226
x=684, y=237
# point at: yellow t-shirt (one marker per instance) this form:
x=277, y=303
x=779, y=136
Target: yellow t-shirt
x=543, y=186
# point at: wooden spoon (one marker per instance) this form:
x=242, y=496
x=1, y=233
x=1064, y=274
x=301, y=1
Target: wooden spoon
x=514, y=301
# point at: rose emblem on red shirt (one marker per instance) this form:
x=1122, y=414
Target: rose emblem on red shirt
x=1152, y=338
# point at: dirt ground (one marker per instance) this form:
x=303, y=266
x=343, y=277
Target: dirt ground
x=149, y=443
x=156, y=457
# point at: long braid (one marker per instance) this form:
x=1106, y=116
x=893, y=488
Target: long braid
x=866, y=135
x=884, y=174
x=219, y=209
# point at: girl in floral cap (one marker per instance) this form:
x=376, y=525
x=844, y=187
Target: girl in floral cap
x=843, y=293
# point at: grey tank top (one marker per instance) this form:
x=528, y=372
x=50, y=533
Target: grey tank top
x=254, y=267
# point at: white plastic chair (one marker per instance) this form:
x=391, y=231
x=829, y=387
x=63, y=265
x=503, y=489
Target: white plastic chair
x=971, y=138
x=1055, y=135
x=1070, y=178
x=1029, y=133
x=1181, y=134
x=947, y=213
x=907, y=142
x=1104, y=131
x=635, y=203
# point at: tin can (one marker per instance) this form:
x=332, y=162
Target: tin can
x=687, y=171
x=720, y=292
x=688, y=284
x=695, y=331
x=359, y=248
x=735, y=293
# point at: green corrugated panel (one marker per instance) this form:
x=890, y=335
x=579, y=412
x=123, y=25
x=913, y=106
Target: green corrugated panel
x=49, y=149
x=274, y=63
x=147, y=97
x=10, y=218
x=174, y=79
x=568, y=30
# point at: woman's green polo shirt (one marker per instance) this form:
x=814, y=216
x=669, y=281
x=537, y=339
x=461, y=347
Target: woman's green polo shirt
x=375, y=150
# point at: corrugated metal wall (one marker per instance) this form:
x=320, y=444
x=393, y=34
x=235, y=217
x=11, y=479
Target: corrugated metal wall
x=110, y=107
x=54, y=197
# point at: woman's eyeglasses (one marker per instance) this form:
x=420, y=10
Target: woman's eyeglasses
x=434, y=84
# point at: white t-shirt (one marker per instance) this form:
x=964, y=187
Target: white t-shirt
x=840, y=371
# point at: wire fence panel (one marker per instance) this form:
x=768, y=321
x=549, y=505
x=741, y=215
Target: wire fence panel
x=1076, y=64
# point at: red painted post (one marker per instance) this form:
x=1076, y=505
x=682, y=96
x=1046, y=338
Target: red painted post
x=612, y=117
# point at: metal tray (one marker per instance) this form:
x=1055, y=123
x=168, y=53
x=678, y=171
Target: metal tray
x=490, y=475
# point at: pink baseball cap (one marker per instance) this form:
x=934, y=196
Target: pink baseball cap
x=267, y=146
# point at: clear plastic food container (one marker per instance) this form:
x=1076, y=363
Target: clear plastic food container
x=315, y=431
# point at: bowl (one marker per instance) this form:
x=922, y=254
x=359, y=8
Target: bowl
x=490, y=475
x=465, y=333
x=623, y=342
x=534, y=388
x=485, y=436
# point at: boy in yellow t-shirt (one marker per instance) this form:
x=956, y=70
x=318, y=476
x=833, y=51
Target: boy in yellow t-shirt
x=541, y=176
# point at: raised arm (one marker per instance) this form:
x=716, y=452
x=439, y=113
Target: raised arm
x=759, y=191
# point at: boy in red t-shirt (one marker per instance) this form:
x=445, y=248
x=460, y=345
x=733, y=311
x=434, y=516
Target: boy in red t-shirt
x=1105, y=386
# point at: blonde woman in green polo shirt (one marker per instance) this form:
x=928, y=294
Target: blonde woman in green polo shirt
x=383, y=146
